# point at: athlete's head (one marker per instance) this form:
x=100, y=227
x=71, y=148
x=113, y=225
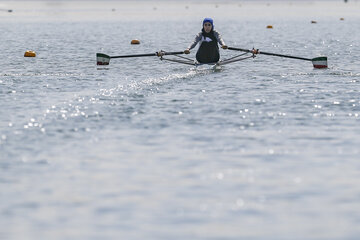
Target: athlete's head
x=208, y=25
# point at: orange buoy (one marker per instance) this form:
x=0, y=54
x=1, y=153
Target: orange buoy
x=313, y=21
x=30, y=54
x=135, y=41
x=269, y=26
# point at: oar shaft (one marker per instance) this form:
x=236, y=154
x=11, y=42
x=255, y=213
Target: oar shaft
x=147, y=54
x=285, y=56
x=270, y=54
x=173, y=53
x=135, y=55
x=239, y=49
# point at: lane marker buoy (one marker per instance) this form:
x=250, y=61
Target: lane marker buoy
x=29, y=53
x=269, y=26
x=135, y=41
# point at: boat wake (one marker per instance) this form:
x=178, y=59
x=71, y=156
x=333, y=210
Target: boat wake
x=125, y=99
x=193, y=72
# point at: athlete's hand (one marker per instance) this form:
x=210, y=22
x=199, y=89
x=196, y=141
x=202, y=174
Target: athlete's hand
x=187, y=51
x=224, y=47
x=255, y=51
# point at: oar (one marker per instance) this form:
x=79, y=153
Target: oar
x=7, y=10
x=103, y=59
x=318, y=62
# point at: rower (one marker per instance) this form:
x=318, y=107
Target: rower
x=209, y=38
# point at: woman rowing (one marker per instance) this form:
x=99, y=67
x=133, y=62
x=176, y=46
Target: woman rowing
x=209, y=38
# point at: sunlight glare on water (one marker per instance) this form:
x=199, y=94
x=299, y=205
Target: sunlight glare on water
x=266, y=148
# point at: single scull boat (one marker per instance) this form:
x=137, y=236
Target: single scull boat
x=103, y=59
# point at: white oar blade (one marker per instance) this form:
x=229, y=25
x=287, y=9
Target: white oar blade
x=102, y=59
x=320, y=62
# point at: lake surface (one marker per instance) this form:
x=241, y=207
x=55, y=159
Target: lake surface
x=267, y=148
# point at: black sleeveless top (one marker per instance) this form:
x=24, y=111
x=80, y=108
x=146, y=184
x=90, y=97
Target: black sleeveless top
x=208, y=51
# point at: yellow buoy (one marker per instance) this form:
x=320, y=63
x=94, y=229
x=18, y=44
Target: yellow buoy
x=313, y=21
x=30, y=54
x=342, y=19
x=269, y=26
x=135, y=41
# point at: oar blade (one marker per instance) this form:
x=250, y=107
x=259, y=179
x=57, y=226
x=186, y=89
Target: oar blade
x=319, y=62
x=102, y=59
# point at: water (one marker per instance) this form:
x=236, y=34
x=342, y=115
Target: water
x=268, y=148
